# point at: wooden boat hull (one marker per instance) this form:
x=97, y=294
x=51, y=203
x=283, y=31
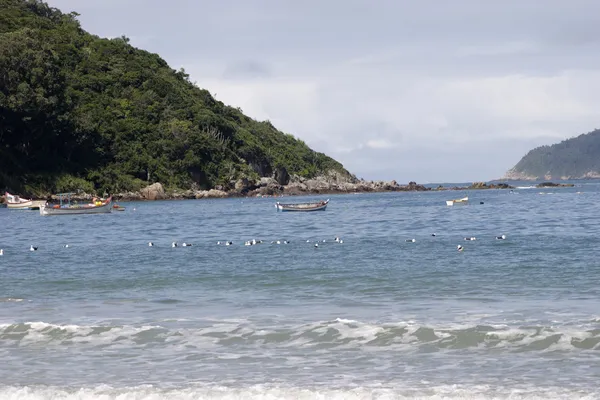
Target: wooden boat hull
x=15, y=202
x=26, y=205
x=303, y=207
x=102, y=209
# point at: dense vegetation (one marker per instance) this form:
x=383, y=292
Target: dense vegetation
x=82, y=112
x=573, y=158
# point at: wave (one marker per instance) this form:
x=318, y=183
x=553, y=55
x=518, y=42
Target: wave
x=10, y=300
x=260, y=392
x=339, y=333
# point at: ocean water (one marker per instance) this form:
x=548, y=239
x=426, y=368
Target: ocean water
x=375, y=317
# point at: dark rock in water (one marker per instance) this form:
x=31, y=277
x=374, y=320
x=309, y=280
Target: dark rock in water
x=483, y=185
x=552, y=184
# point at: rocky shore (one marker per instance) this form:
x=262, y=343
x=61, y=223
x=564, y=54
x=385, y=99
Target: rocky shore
x=282, y=184
x=332, y=183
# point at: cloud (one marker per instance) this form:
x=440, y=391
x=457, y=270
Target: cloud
x=246, y=70
x=427, y=91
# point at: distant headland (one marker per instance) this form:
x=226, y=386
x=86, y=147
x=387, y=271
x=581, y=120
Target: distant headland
x=83, y=113
x=575, y=158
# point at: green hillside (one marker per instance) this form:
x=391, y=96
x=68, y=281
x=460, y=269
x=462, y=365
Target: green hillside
x=82, y=112
x=575, y=158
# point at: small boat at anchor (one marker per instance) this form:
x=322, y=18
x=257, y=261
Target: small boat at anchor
x=318, y=206
x=66, y=208
x=118, y=207
x=464, y=200
x=15, y=202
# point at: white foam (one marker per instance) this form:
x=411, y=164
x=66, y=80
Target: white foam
x=263, y=392
x=10, y=300
x=345, y=333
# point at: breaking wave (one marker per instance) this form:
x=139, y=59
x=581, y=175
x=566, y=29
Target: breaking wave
x=339, y=333
x=260, y=392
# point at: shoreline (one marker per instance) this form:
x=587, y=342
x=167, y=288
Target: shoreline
x=157, y=192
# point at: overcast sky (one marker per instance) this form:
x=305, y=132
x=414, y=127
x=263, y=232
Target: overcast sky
x=432, y=91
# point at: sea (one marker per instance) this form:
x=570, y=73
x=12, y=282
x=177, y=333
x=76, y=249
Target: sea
x=374, y=315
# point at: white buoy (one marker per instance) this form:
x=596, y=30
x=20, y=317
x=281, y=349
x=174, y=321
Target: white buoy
x=31, y=248
x=66, y=246
x=1, y=252
x=410, y=240
x=316, y=244
x=459, y=248
x=501, y=237
x=150, y=244
x=174, y=244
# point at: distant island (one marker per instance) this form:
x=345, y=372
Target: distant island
x=575, y=158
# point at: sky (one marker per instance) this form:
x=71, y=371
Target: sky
x=427, y=91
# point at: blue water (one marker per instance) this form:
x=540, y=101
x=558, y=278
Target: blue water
x=375, y=317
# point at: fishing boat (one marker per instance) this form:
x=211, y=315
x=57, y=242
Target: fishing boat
x=464, y=200
x=66, y=208
x=318, y=206
x=15, y=202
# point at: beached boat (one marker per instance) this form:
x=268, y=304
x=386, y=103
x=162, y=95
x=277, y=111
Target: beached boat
x=66, y=208
x=15, y=202
x=318, y=206
x=464, y=200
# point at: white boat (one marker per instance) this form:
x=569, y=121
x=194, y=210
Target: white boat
x=66, y=208
x=15, y=202
x=318, y=206
x=464, y=200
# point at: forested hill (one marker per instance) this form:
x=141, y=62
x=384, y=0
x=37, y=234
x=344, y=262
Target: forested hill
x=576, y=158
x=79, y=112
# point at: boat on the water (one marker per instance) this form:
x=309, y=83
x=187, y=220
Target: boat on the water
x=318, y=206
x=118, y=207
x=66, y=208
x=464, y=200
x=14, y=202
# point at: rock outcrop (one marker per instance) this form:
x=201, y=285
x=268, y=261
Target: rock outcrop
x=552, y=184
x=331, y=183
x=483, y=185
x=153, y=192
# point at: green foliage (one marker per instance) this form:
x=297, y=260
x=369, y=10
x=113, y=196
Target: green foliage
x=75, y=109
x=573, y=157
x=69, y=183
